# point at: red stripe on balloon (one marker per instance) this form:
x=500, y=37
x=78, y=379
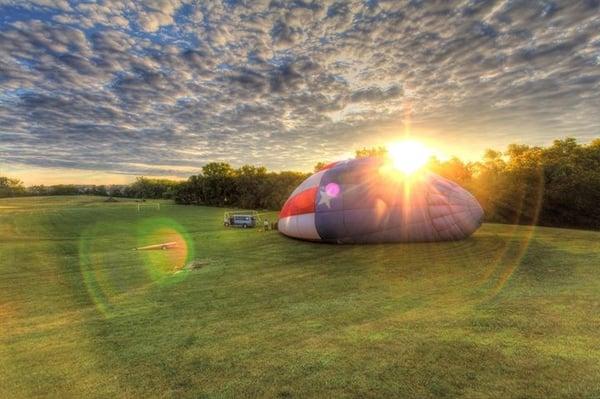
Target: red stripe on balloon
x=303, y=202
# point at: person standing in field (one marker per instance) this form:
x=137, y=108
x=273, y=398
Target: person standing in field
x=266, y=224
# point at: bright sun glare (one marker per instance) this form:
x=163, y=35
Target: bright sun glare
x=408, y=156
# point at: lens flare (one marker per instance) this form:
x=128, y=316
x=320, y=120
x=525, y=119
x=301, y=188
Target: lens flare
x=112, y=271
x=408, y=156
x=332, y=190
x=162, y=262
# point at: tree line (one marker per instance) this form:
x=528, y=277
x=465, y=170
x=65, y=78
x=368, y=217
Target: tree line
x=142, y=188
x=249, y=187
x=558, y=185
x=218, y=184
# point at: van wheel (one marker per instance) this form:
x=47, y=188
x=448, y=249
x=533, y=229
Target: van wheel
x=244, y=225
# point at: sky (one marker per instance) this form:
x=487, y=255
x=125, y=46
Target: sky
x=103, y=92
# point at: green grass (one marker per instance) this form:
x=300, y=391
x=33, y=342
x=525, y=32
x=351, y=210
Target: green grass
x=511, y=312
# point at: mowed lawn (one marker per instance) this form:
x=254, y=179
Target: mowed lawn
x=510, y=312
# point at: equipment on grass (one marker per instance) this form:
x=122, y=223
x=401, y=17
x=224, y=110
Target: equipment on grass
x=243, y=219
x=164, y=245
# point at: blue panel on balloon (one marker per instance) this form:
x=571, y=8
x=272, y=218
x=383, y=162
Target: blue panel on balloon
x=330, y=225
x=358, y=196
x=362, y=221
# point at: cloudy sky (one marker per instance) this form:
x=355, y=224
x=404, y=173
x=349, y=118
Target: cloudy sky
x=103, y=92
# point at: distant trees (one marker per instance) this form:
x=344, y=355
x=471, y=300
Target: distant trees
x=218, y=188
x=66, y=189
x=571, y=192
x=318, y=166
x=11, y=187
x=146, y=188
x=249, y=187
x=142, y=188
x=371, y=152
x=557, y=185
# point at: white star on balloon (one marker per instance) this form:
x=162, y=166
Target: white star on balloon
x=324, y=198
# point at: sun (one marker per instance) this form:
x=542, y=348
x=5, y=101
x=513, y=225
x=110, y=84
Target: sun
x=408, y=156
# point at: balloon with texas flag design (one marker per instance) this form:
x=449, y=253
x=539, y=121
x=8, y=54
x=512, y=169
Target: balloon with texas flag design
x=366, y=200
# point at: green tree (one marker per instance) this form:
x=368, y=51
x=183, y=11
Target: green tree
x=250, y=186
x=11, y=187
x=572, y=184
x=218, y=184
x=371, y=152
x=453, y=169
x=318, y=166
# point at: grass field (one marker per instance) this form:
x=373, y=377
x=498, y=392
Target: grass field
x=511, y=312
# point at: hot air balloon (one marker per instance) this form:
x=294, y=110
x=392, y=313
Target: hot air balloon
x=365, y=201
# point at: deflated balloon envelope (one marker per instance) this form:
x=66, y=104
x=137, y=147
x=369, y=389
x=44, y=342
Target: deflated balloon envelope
x=365, y=201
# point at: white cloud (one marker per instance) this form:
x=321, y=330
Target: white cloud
x=85, y=86
x=153, y=14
